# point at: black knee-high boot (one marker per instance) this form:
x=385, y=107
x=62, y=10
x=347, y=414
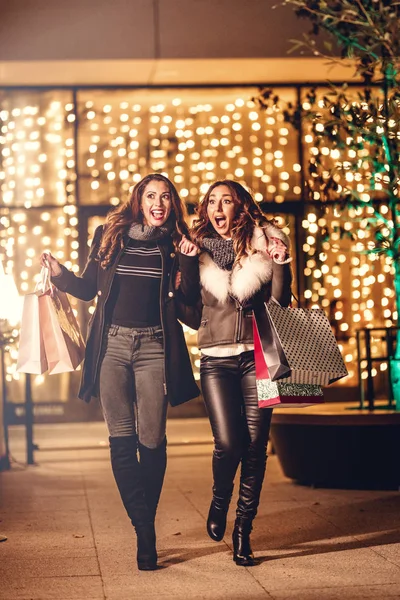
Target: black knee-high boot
x=224, y=470
x=153, y=462
x=127, y=474
x=251, y=480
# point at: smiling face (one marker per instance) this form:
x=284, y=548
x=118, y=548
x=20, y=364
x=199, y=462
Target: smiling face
x=156, y=203
x=221, y=210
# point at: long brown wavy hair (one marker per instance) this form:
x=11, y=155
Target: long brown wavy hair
x=248, y=215
x=120, y=219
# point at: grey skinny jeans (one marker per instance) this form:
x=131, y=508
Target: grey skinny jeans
x=132, y=383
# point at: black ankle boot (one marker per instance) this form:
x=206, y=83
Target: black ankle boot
x=146, y=547
x=216, y=522
x=128, y=477
x=242, y=553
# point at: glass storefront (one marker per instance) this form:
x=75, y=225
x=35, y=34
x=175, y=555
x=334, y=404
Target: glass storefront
x=68, y=156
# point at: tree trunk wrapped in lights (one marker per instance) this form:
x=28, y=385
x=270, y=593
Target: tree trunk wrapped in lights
x=355, y=159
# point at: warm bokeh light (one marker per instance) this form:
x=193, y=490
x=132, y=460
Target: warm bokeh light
x=54, y=165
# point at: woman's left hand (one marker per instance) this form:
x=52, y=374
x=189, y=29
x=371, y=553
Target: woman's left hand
x=187, y=247
x=277, y=249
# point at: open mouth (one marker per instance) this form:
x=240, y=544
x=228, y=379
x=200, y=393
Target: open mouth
x=220, y=222
x=157, y=214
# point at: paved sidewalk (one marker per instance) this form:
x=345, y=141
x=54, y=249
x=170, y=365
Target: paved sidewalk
x=69, y=538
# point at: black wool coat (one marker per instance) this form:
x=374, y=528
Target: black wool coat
x=96, y=281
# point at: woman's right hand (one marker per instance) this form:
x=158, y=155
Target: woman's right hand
x=277, y=250
x=48, y=261
x=187, y=247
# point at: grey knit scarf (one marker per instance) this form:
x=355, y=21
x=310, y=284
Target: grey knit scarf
x=150, y=233
x=221, y=251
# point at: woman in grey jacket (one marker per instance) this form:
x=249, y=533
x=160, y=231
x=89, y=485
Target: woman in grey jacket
x=243, y=261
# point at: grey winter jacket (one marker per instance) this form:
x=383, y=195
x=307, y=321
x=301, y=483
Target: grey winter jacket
x=222, y=302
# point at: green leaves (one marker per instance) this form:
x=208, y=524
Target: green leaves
x=365, y=31
x=354, y=155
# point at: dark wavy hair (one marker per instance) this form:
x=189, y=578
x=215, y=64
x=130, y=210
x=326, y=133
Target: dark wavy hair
x=120, y=219
x=248, y=215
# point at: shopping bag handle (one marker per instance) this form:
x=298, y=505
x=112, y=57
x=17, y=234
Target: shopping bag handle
x=278, y=303
x=43, y=284
x=297, y=300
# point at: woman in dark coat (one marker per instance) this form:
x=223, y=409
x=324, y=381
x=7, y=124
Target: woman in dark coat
x=243, y=261
x=135, y=342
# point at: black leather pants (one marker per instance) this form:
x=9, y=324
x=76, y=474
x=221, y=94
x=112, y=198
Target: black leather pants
x=239, y=427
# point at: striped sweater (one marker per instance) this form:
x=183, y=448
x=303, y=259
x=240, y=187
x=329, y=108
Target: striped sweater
x=135, y=294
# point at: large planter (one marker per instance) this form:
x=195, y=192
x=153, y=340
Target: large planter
x=336, y=446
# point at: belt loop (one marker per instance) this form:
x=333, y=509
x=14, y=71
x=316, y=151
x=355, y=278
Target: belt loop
x=114, y=330
x=154, y=331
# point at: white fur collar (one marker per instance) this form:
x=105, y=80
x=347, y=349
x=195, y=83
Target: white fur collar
x=246, y=278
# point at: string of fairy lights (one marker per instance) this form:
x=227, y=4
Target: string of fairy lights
x=194, y=143
x=194, y=137
x=355, y=288
x=354, y=285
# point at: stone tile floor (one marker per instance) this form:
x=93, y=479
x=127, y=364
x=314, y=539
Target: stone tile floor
x=69, y=538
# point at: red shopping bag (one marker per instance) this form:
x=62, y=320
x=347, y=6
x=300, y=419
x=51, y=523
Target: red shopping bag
x=280, y=393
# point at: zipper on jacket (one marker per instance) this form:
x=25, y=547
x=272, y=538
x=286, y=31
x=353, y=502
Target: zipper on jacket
x=162, y=316
x=239, y=315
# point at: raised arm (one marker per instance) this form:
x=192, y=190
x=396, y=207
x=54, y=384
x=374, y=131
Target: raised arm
x=189, y=286
x=190, y=279
x=82, y=286
x=281, y=283
x=281, y=271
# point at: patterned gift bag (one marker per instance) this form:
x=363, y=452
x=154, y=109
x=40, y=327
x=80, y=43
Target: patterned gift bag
x=305, y=338
x=281, y=392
